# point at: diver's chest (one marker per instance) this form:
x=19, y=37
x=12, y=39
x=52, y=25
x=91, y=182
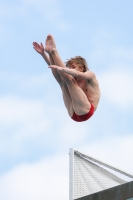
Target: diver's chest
x=83, y=86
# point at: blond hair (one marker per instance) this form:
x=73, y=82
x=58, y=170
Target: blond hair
x=81, y=62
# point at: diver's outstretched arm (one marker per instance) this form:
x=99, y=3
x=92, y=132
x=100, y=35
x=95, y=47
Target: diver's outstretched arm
x=49, y=60
x=40, y=49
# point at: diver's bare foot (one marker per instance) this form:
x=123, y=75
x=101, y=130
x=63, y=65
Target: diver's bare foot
x=50, y=44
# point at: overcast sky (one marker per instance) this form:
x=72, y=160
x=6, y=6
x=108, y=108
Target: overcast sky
x=35, y=129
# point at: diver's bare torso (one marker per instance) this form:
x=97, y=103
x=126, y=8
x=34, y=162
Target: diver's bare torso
x=91, y=90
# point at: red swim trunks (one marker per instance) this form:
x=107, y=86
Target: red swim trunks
x=81, y=118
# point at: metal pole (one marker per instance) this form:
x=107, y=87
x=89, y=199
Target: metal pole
x=71, y=174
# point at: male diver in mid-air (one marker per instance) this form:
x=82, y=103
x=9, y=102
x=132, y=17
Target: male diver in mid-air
x=80, y=88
